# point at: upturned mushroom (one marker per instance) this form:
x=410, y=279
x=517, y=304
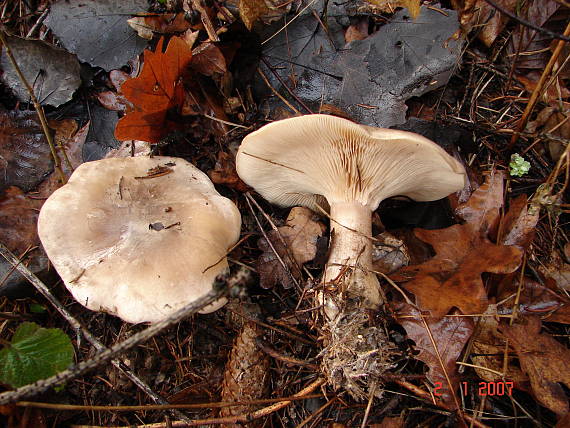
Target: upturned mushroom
x=138, y=237
x=328, y=163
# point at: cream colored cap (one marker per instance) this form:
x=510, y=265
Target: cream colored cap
x=138, y=237
x=309, y=159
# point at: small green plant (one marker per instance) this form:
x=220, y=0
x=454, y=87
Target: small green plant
x=518, y=166
x=34, y=353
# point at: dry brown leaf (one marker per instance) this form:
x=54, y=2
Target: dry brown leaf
x=488, y=348
x=463, y=252
x=545, y=360
x=553, y=92
x=482, y=208
x=225, y=173
x=388, y=422
x=449, y=334
x=300, y=235
x=208, y=59
x=481, y=15
x=519, y=224
x=266, y=10
x=389, y=6
x=357, y=31
x=167, y=23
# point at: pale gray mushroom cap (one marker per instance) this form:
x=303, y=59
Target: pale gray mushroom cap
x=113, y=236
x=309, y=160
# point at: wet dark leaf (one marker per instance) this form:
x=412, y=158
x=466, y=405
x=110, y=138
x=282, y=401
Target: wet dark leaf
x=97, y=30
x=52, y=73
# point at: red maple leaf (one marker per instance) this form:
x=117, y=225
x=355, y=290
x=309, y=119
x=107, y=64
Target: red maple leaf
x=157, y=94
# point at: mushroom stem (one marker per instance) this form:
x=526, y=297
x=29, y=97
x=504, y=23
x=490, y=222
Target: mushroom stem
x=350, y=261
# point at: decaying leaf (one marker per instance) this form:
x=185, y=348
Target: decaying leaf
x=24, y=153
x=535, y=299
x=266, y=10
x=389, y=253
x=557, y=270
x=156, y=93
x=208, y=59
x=463, y=252
x=532, y=44
x=18, y=219
x=518, y=225
x=488, y=349
x=225, y=173
x=97, y=31
x=300, y=235
x=148, y=24
x=553, y=120
x=449, y=335
x=52, y=73
x=389, y=6
x=481, y=15
x=545, y=360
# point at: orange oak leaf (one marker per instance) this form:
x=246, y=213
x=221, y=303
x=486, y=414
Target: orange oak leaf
x=463, y=252
x=157, y=94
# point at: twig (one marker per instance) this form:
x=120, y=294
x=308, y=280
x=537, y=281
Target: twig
x=244, y=418
x=41, y=19
x=528, y=24
x=76, y=325
x=287, y=103
x=37, y=106
x=149, y=407
x=301, y=103
x=248, y=197
x=537, y=91
x=197, y=4
x=105, y=354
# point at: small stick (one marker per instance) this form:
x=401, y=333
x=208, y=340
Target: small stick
x=283, y=264
x=197, y=4
x=41, y=287
x=287, y=103
x=537, y=91
x=37, y=106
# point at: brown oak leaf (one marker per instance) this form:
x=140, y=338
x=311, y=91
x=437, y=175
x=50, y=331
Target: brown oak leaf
x=439, y=348
x=463, y=252
x=300, y=235
x=545, y=360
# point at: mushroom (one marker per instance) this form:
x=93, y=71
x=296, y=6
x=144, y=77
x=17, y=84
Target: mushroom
x=139, y=237
x=328, y=163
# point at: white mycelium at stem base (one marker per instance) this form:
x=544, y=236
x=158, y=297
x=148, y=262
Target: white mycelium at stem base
x=322, y=162
x=350, y=260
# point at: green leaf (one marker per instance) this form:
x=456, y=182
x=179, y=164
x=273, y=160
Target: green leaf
x=518, y=166
x=34, y=353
